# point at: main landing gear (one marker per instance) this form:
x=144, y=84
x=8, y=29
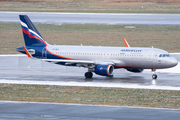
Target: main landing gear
x=154, y=76
x=88, y=74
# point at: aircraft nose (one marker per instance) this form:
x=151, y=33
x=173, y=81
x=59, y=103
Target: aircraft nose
x=173, y=62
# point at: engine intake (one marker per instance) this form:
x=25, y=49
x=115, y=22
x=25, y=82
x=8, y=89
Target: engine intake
x=104, y=70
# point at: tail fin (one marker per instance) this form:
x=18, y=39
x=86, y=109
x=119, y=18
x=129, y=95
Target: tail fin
x=31, y=35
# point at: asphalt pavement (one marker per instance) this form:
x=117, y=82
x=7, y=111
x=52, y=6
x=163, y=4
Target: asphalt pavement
x=53, y=111
x=20, y=68
x=94, y=18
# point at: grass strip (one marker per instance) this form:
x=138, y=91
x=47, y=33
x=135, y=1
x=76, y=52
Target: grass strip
x=158, y=36
x=91, y=95
x=92, y=6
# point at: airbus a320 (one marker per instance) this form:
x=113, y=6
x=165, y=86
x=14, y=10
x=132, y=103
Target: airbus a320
x=99, y=60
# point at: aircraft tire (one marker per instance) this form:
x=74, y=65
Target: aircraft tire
x=154, y=76
x=88, y=74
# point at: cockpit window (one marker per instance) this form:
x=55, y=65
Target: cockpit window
x=164, y=55
x=168, y=55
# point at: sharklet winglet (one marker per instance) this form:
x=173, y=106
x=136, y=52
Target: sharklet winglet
x=126, y=43
x=27, y=52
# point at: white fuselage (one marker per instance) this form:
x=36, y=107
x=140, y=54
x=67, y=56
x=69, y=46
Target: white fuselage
x=146, y=58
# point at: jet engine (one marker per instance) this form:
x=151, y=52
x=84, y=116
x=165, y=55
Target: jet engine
x=104, y=70
x=136, y=70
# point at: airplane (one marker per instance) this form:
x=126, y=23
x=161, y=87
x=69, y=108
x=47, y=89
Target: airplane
x=99, y=60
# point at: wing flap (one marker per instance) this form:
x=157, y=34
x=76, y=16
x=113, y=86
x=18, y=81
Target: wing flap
x=86, y=62
x=69, y=61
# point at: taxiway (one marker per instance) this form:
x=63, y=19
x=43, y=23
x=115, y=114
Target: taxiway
x=19, y=69
x=94, y=18
x=42, y=111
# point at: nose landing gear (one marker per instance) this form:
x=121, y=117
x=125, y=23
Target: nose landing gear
x=154, y=76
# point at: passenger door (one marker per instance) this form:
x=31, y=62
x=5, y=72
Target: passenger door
x=150, y=55
x=44, y=53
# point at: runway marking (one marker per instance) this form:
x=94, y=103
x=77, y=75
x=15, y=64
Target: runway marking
x=29, y=67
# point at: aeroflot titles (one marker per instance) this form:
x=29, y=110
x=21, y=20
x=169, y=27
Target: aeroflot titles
x=127, y=50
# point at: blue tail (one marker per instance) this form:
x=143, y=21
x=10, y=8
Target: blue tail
x=31, y=35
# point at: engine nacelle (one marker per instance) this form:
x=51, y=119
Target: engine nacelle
x=136, y=70
x=104, y=70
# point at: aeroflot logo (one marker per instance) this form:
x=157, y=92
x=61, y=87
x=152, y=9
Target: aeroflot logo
x=128, y=50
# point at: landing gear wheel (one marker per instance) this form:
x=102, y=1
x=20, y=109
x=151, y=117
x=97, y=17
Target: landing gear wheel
x=154, y=76
x=88, y=74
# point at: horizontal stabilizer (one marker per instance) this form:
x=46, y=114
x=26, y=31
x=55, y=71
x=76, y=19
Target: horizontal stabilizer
x=27, y=52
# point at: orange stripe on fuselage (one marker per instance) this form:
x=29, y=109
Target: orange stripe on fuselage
x=59, y=55
x=32, y=36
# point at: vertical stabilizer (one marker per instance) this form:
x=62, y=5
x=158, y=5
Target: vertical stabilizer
x=31, y=35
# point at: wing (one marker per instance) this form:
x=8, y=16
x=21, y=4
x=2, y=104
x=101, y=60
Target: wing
x=84, y=63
